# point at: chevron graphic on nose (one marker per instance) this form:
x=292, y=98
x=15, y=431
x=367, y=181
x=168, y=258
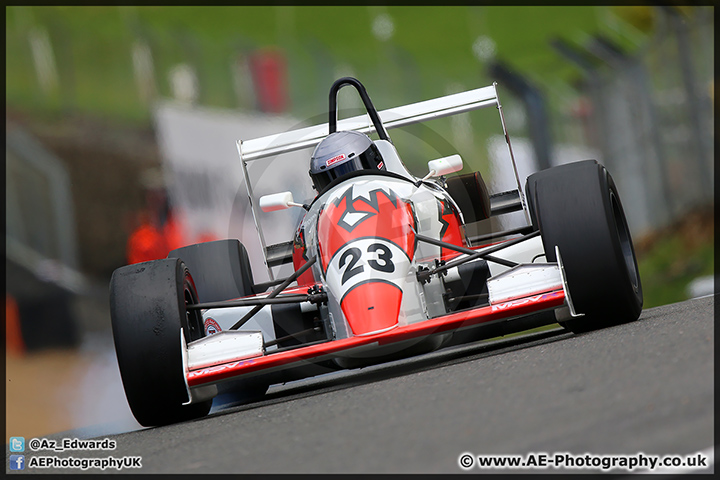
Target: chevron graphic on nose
x=352, y=218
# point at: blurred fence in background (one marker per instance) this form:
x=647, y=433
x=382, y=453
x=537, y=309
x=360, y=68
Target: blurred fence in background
x=39, y=212
x=40, y=244
x=650, y=114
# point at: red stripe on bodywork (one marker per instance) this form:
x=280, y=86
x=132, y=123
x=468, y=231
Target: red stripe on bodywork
x=445, y=323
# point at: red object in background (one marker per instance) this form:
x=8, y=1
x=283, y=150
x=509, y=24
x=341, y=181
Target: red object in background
x=156, y=228
x=14, y=343
x=148, y=242
x=582, y=108
x=269, y=75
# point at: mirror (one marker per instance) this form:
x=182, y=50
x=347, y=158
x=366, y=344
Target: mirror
x=445, y=165
x=277, y=201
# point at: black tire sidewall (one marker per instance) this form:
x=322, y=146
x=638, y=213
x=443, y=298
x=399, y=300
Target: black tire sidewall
x=572, y=207
x=220, y=269
x=147, y=305
x=631, y=287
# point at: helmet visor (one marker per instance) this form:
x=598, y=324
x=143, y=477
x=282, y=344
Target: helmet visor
x=370, y=159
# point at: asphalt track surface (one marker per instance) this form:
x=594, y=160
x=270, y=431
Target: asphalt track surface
x=644, y=387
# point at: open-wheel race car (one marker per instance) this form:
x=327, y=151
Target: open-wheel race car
x=383, y=267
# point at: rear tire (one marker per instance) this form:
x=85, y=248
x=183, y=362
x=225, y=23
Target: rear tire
x=577, y=208
x=148, y=308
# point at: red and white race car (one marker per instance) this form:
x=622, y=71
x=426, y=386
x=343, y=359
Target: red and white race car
x=383, y=268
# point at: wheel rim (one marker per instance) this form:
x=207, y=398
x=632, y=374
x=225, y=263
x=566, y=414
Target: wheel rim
x=625, y=241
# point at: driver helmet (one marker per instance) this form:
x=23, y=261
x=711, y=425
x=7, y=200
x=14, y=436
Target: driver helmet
x=340, y=153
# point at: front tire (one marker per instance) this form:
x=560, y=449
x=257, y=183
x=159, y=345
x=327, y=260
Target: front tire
x=221, y=271
x=577, y=208
x=148, y=309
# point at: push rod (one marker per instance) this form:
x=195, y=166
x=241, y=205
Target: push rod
x=275, y=292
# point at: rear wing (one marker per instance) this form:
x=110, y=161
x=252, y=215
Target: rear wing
x=285, y=142
x=392, y=118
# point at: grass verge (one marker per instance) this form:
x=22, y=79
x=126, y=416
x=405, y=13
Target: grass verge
x=673, y=257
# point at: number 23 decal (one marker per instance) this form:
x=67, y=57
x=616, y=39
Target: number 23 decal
x=354, y=254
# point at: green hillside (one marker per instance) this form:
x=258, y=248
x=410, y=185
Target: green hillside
x=430, y=48
x=402, y=54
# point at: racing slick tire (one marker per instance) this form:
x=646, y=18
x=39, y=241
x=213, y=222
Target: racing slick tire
x=577, y=208
x=220, y=269
x=148, y=307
